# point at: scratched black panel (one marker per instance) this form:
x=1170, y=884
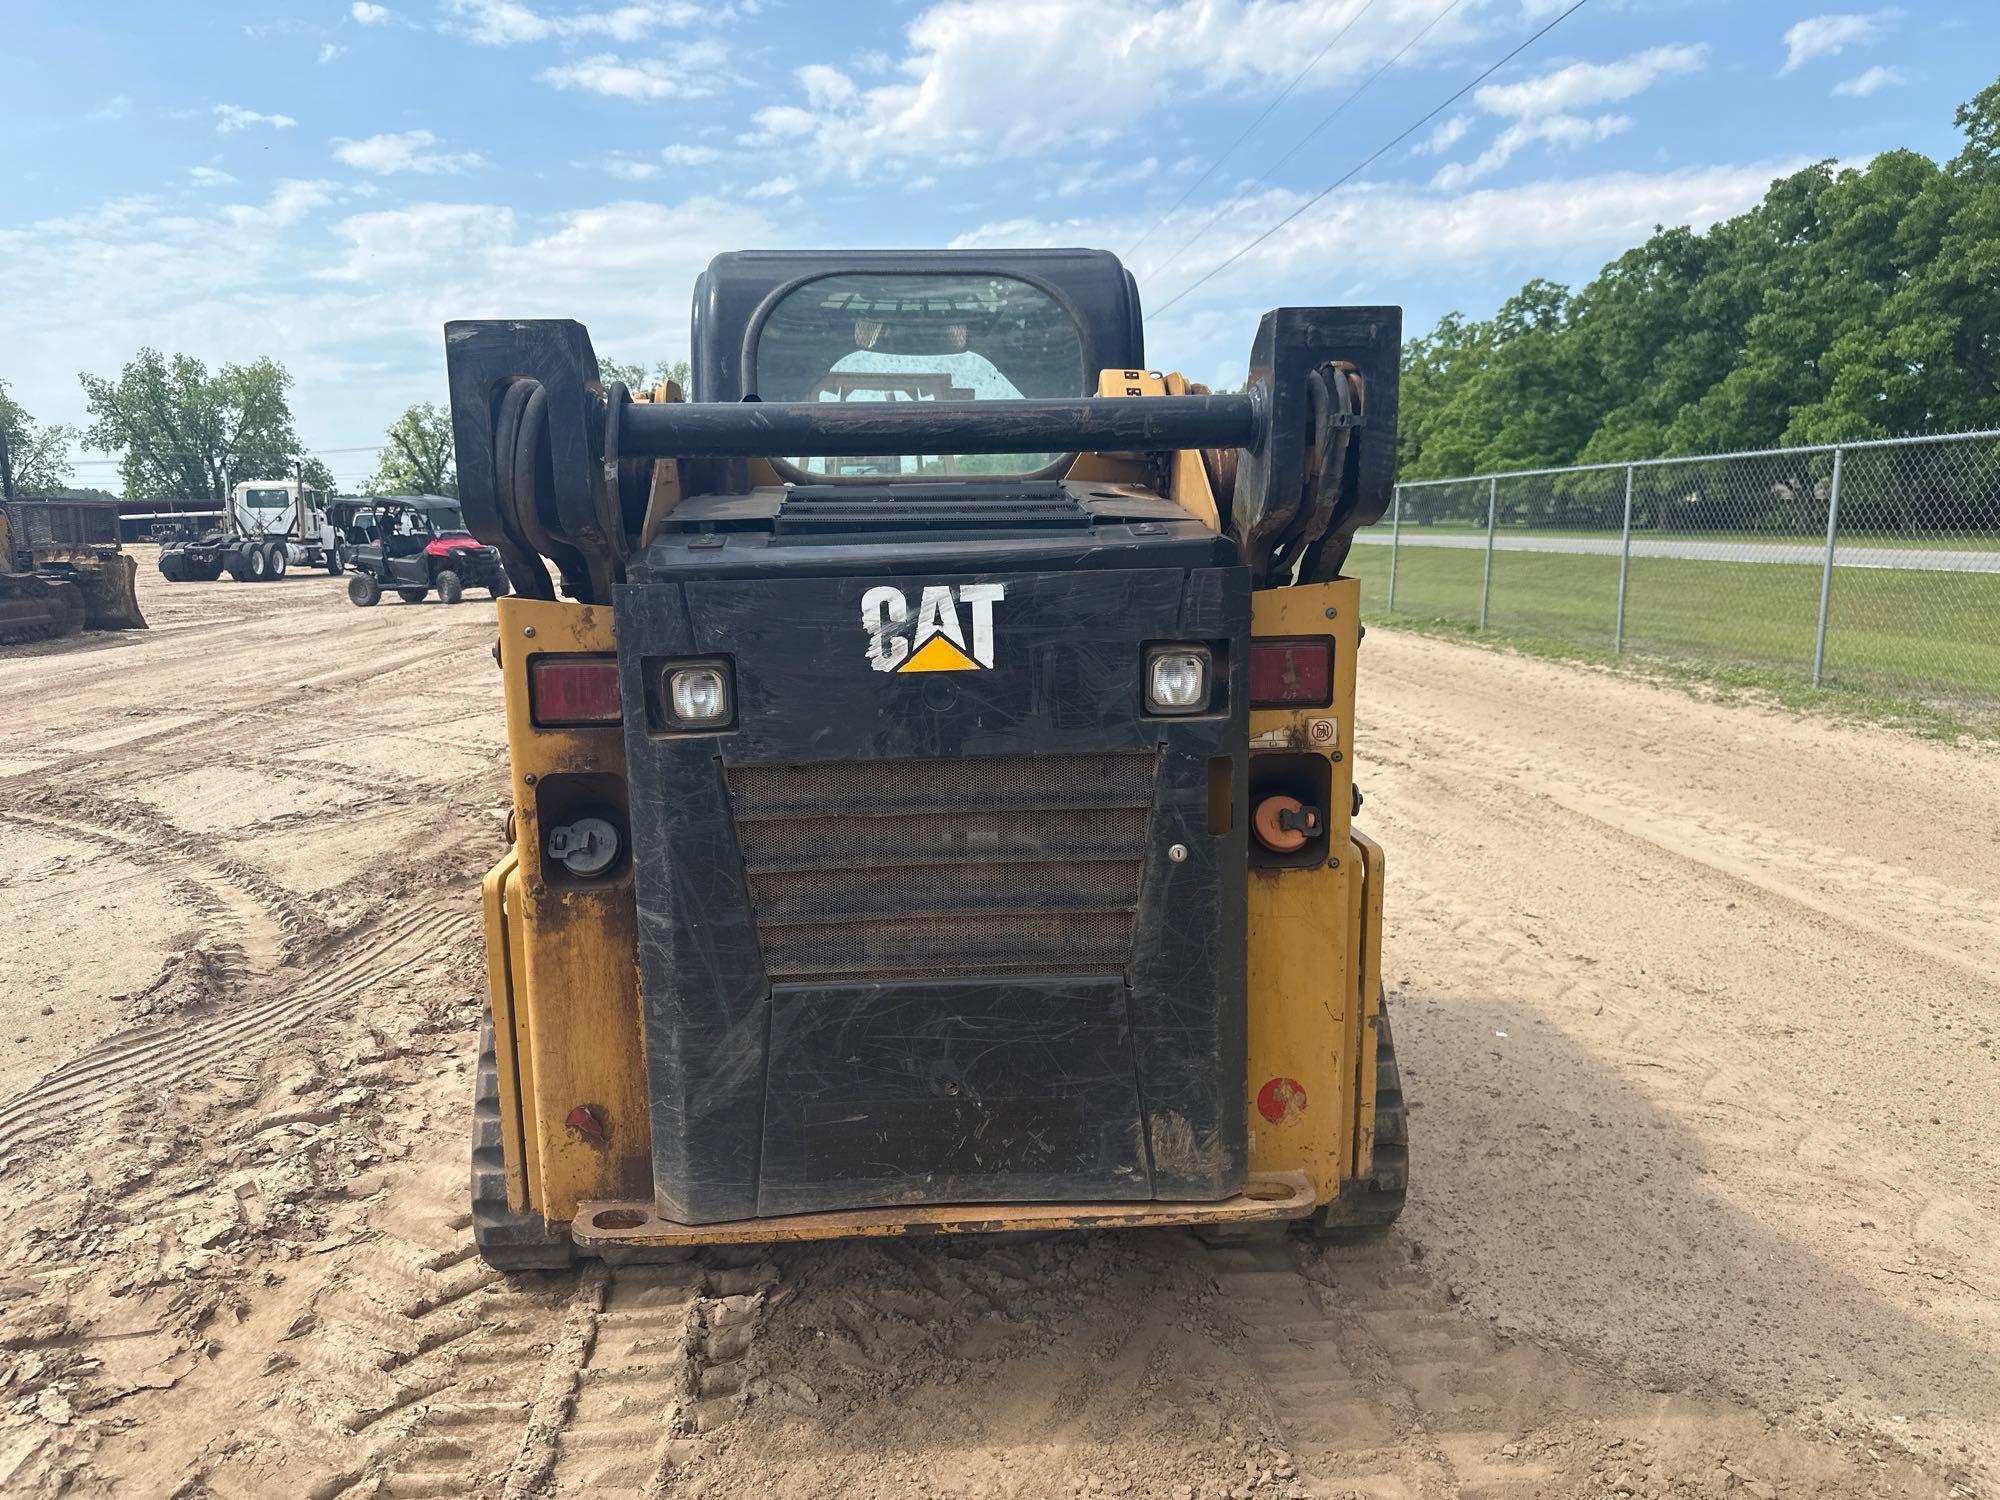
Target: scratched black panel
x=705, y=1000
x=1066, y=650
x=971, y=1091
x=1188, y=975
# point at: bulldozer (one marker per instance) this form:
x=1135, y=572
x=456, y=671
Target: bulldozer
x=931, y=753
x=62, y=570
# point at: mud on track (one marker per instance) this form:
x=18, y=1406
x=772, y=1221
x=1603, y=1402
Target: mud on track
x=1699, y=1008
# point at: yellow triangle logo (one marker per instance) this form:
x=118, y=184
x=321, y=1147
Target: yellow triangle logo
x=939, y=655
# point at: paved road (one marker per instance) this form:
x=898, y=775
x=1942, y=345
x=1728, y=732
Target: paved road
x=1922, y=559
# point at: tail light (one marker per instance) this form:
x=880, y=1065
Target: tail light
x=1292, y=672
x=573, y=691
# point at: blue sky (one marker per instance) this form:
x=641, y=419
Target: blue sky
x=329, y=182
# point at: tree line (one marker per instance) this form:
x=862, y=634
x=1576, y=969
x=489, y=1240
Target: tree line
x=1848, y=304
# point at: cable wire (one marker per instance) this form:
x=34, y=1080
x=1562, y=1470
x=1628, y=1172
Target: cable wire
x=1299, y=145
x=1209, y=170
x=1369, y=160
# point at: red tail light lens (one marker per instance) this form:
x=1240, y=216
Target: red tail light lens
x=1291, y=673
x=570, y=691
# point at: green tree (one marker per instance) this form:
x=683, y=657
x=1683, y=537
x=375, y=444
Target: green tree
x=37, y=455
x=187, y=434
x=419, y=458
x=1846, y=304
x=636, y=379
x=318, y=476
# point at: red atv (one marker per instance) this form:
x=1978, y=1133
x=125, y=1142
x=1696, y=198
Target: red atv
x=415, y=544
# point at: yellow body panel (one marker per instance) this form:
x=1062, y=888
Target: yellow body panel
x=1311, y=929
x=1186, y=477
x=573, y=950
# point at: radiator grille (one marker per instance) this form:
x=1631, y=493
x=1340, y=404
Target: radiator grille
x=908, y=869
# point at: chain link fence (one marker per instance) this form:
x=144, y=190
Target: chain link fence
x=1872, y=566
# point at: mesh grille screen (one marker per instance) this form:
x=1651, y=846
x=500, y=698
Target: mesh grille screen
x=910, y=869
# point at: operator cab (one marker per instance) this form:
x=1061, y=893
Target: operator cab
x=818, y=326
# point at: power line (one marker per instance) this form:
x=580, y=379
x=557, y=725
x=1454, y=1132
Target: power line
x=1299, y=145
x=1209, y=170
x=1376, y=155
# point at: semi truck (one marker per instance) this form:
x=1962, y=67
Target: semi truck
x=268, y=527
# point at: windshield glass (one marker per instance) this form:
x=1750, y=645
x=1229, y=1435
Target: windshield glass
x=443, y=519
x=268, y=499
x=919, y=338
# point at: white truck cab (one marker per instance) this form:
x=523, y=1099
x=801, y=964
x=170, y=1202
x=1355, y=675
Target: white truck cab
x=270, y=525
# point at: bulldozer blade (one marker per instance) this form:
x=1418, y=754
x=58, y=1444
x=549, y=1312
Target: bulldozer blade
x=110, y=595
x=34, y=607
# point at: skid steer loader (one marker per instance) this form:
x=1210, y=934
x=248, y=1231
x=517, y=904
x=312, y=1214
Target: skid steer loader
x=932, y=768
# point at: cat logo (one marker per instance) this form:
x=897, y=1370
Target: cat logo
x=938, y=641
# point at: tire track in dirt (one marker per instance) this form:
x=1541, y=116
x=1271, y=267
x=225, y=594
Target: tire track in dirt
x=156, y=1056
x=421, y=1372
x=266, y=907
x=246, y=932
x=1879, y=897
x=1775, y=1170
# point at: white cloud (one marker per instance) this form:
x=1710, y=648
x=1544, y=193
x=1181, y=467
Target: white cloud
x=232, y=117
x=368, y=15
x=689, y=156
x=775, y=187
x=406, y=151
x=630, y=169
x=1826, y=36
x=328, y=51
x=498, y=23
x=210, y=176
x=506, y=23
x=1444, y=135
x=290, y=201
x=1396, y=232
x=1093, y=177
x=780, y=122
x=1581, y=85
x=355, y=308
x=1571, y=131
x=825, y=87
x=1541, y=109
x=117, y=107
x=980, y=79
x=1863, y=84
x=390, y=243
x=639, y=78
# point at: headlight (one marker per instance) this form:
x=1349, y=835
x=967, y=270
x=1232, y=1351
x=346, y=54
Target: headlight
x=1177, y=679
x=698, y=696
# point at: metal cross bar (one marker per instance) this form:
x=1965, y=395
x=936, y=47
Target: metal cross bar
x=834, y=429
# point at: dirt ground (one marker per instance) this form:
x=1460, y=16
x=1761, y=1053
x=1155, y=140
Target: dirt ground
x=1698, y=1008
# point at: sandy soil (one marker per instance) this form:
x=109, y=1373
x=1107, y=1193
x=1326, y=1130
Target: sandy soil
x=1699, y=1008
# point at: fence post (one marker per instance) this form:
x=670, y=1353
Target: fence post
x=1624, y=565
x=1486, y=582
x=1395, y=545
x=1826, y=571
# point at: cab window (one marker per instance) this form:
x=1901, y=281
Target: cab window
x=905, y=338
